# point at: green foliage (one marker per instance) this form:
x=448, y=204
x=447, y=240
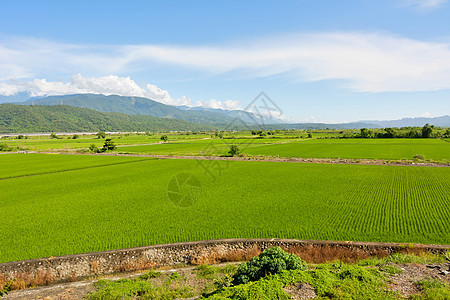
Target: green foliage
x=234, y=150
x=135, y=106
x=150, y=275
x=447, y=133
x=427, y=130
x=6, y=288
x=328, y=281
x=4, y=147
x=101, y=135
x=75, y=136
x=136, y=289
x=173, y=277
x=390, y=132
x=400, y=258
x=432, y=289
x=270, y=261
x=391, y=270
x=208, y=271
x=108, y=145
x=94, y=149
x=63, y=118
x=164, y=138
x=365, y=133
x=263, y=289
x=53, y=135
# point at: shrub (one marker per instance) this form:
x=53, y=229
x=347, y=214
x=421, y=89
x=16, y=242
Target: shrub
x=94, y=148
x=101, y=134
x=164, y=138
x=6, y=288
x=270, y=261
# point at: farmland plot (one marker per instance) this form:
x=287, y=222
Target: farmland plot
x=125, y=205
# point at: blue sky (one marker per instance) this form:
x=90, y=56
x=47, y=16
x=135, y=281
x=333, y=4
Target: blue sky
x=320, y=61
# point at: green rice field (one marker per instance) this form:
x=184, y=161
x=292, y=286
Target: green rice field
x=62, y=204
x=389, y=149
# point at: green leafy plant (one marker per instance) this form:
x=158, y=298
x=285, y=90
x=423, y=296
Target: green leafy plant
x=270, y=261
x=150, y=275
x=6, y=288
x=101, y=134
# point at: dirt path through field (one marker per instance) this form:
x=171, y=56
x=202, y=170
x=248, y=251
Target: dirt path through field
x=379, y=162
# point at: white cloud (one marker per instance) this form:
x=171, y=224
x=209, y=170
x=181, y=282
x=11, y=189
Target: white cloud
x=426, y=115
x=361, y=61
x=425, y=3
x=106, y=85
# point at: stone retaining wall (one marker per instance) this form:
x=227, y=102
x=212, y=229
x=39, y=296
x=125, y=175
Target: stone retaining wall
x=75, y=267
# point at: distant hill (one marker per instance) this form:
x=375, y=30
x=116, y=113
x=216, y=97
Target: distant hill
x=443, y=121
x=133, y=106
x=308, y=126
x=243, y=115
x=64, y=118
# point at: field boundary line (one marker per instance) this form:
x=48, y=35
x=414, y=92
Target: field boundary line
x=352, y=161
x=77, y=267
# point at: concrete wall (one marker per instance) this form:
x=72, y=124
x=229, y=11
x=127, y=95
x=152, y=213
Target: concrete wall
x=75, y=267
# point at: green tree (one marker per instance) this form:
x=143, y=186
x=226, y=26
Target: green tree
x=447, y=133
x=53, y=135
x=75, y=136
x=234, y=150
x=108, y=145
x=390, y=132
x=427, y=130
x=101, y=135
x=164, y=138
x=4, y=147
x=365, y=133
x=413, y=133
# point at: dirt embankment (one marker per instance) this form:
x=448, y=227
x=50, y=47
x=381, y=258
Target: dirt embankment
x=379, y=162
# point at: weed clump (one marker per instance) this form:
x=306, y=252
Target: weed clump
x=270, y=261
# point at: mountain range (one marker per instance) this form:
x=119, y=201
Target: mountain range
x=137, y=110
x=64, y=118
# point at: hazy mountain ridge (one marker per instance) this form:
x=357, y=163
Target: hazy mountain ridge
x=443, y=121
